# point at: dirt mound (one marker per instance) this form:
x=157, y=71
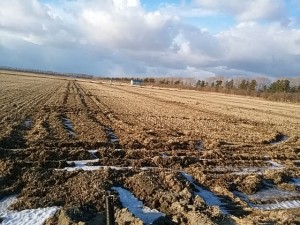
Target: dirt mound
x=249, y=184
x=81, y=215
x=123, y=216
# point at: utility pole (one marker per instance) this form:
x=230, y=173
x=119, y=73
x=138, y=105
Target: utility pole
x=110, y=219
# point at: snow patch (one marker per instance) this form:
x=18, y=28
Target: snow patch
x=271, y=194
x=92, y=168
x=259, y=170
x=27, y=122
x=24, y=217
x=29, y=216
x=113, y=138
x=82, y=163
x=296, y=181
x=164, y=155
x=274, y=164
x=68, y=126
x=5, y=203
x=93, y=153
x=85, y=168
x=210, y=198
x=136, y=207
x=278, y=205
x=199, y=146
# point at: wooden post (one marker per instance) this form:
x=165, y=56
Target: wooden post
x=110, y=218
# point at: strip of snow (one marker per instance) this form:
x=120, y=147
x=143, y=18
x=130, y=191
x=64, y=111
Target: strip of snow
x=29, y=216
x=93, y=153
x=296, y=181
x=273, y=193
x=259, y=170
x=68, y=126
x=92, y=168
x=278, y=205
x=275, y=164
x=82, y=163
x=85, y=168
x=199, y=146
x=164, y=155
x=113, y=138
x=24, y=217
x=27, y=123
x=210, y=198
x=5, y=203
x=136, y=207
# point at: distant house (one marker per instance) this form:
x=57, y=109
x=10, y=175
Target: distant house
x=136, y=82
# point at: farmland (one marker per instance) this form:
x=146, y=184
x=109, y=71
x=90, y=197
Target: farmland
x=195, y=157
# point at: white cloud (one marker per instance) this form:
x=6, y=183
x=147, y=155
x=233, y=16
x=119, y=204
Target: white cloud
x=119, y=37
x=267, y=50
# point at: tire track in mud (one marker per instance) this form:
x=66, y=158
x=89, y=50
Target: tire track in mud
x=125, y=126
x=94, y=103
x=254, y=145
x=55, y=96
x=76, y=103
x=65, y=99
x=138, y=119
x=231, y=205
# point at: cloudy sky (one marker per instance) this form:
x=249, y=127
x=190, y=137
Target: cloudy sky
x=191, y=38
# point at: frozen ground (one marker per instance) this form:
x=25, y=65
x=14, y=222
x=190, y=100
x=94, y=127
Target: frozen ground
x=5, y=203
x=136, y=207
x=272, y=206
x=210, y=198
x=27, y=122
x=24, y=217
x=82, y=163
x=68, y=126
x=93, y=153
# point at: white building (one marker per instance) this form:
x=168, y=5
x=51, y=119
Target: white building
x=136, y=82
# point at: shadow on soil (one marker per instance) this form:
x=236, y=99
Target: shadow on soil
x=15, y=139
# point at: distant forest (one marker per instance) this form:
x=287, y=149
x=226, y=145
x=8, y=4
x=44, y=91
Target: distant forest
x=286, y=90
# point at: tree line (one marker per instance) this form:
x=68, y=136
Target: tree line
x=279, y=90
x=287, y=90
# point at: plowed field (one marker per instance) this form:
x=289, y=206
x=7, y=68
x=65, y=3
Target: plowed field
x=192, y=157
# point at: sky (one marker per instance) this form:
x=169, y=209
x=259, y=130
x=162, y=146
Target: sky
x=187, y=38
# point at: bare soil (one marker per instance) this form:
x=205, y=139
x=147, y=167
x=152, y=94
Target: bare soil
x=145, y=138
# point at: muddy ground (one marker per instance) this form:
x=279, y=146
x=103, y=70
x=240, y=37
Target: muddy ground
x=198, y=158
